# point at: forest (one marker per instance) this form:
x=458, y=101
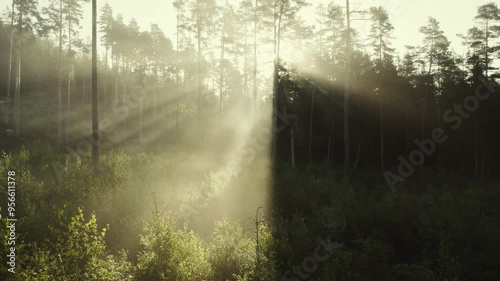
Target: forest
x=258, y=142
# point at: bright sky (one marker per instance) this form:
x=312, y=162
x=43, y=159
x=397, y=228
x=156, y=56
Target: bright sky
x=455, y=16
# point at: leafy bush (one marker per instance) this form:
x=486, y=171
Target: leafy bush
x=77, y=253
x=170, y=253
x=30, y=193
x=230, y=252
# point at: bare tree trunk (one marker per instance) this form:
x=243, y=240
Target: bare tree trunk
x=476, y=149
x=486, y=47
x=59, y=85
x=382, y=154
x=117, y=74
x=106, y=77
x=438, y=146
x=292, y=148
x=329, y=146
x=221, y=73
x=17, y=98
x=140, y=122
x=347, y=151
x=356, y=162
x=276, y=41
x=382, y=134
x=330, y=155
x=483, y=157
x=274, y=145
x=11, y=52
x=407, y=124
x=68, y=107
x=124, y=96
x=311, y=126
x=198, y=75
x=424, y=108
x=68, y=101
x=331, y=143
x=95, y=122
x=84, y=86
x=245, y=65
x=255, y=19
x=177, y=64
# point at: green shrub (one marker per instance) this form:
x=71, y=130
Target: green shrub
x=230, y=252
x=76, y=253
x=171, y=254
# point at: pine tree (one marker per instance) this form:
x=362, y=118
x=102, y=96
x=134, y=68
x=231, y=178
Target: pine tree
x=202, y=26
x=347, y=150
x=55, y=14
x=27, y=19
x=95, y=120
x=106, y=22
x=73, y=14
x=11, y=54
x=284, y=18
x=380, y=33
x=435, y=45
x=489, y=14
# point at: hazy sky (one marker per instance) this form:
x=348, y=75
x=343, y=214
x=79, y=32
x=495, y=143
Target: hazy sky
x=455, y=16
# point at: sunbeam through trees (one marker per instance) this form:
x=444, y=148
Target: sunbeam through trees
x=242, y=140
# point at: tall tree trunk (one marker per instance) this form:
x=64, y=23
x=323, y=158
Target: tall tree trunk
x=11, y=52
x=486, y=48
x=292, y=148
x=117, y=66
x=198, y=74
x=140, y=122
x=329, y=146
x=407, y=124
x=427, y=90
x=84, y=86
x=177, y=86
x=106, y=77
x=221, y=73
x=276, y=82
x=255, y=19
x=331, y=143
x=311, y=126
x=95, y=123
x=275, y=109
x=356, y=162
x=59, y=84
x=476, y=149
x=424, y=109
x=439, y=146
x=483, y=157
x=382, y=147
x=245, y=65
x=17, y=98
x=330, y=152
x=275, y=90
x=68, y=96
x=124, y=96
x=347, y=151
